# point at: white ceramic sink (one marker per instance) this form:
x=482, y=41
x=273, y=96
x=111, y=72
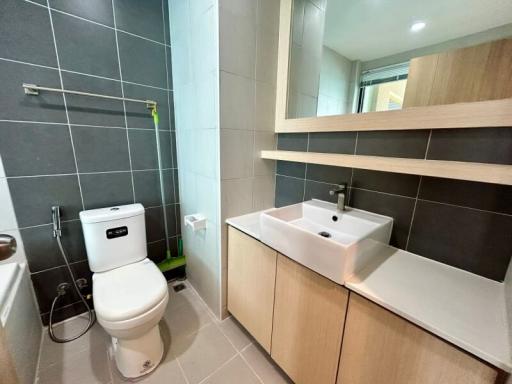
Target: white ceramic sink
x=354, y=236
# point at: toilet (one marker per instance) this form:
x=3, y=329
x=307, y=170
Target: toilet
x=129, y=291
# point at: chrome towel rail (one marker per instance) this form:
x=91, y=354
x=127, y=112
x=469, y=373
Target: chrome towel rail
x=32, y=89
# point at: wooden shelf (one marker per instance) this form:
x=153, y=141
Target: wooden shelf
x=487, y=173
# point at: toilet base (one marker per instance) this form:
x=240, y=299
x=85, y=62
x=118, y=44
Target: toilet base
x=138, y=357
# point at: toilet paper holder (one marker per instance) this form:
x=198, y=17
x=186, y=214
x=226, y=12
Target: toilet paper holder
x=195, y=221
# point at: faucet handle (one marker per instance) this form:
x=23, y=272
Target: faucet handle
x=342, y=187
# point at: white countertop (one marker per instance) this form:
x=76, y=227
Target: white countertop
x=463, y=308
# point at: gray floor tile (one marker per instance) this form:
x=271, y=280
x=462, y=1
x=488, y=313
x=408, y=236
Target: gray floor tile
x=200, y=354
x=55, y=353
x=234, y=331
x=86, y=367
x=264, y=367
x=236, y=371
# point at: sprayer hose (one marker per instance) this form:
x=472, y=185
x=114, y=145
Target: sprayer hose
x=82, y=298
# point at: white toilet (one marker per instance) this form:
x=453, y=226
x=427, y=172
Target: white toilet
x=129, y=291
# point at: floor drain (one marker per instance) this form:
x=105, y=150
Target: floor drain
x=324, y=234
x=179, y=287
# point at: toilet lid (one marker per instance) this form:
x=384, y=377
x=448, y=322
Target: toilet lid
x=126, y=292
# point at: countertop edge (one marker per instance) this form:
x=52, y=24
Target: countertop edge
x=498, y=363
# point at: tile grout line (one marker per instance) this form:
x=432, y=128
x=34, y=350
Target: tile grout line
x=89, y=173
x=82, y=73
x=176, y=220
x=239, y=352
x=100, y=24
x=413, y=214
x=124, y=103
x=80, y=125
x=417, y=195
x=305, y=172
x=352, y=171
x=65, y=103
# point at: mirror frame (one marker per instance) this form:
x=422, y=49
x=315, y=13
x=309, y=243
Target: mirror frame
x=492, y=113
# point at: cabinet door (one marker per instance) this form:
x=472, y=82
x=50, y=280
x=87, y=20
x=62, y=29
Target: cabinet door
x=309, y=313
x=251, y=282
x=380, y=347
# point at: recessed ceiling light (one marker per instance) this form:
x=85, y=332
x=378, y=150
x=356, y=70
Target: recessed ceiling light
x=418, y=26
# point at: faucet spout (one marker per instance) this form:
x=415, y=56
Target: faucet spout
x=341, y=191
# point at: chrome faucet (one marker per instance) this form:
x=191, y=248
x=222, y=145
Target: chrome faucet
x=341, y=191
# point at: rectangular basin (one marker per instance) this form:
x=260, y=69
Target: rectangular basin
x=332, y=243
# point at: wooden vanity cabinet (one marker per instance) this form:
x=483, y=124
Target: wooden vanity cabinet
x=309, y=314
x=251, y=280
x=380, y=347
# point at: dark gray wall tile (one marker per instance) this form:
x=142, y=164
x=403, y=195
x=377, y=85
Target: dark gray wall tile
x=101, y=149
x=157, y=251
x=147, y=188
x=106, y=189
x=66, y=312
x=489, y=197
x=16, y=105
x=395, y=183
x=409, y=144
x=169, y=68
x=46, y=282
x=475, y=241
x=288, y=191
x=33, y=198
x=36, y=149
x=332, y=142
x=91, y=110
x=128, y=18
x=167, y=29
x=143, y=149
x=481, y=145
x=166, y=151
x=85, y=47
x=95, y=10
x=292, y=141
x=289, y=168
x=328, y=174
x=42, y=249
x=154, y=224
x=397, y=207
x=169, y=187
x=176, y=186
x=138, y=115
x=320, y=191
x=174, y=150
x=26, y=33
x=142, y=61
x=170, y=211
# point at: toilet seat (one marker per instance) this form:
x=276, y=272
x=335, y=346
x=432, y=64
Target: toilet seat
x=131, y=292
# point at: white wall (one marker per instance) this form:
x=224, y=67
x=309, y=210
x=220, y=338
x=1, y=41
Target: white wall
x=224, y=59
x=249, y=33
x=194, y=45
x=334, y=95
x=306, y=57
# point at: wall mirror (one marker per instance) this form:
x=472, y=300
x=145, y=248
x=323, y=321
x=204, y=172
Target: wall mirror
x=342, y=58
x=364, y=56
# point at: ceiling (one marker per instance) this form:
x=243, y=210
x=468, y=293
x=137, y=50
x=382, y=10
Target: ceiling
x=371, y=29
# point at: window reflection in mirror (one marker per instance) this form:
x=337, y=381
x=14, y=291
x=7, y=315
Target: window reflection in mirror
x=357, y=56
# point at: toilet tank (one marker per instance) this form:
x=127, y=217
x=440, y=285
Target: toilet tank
x=114, y=236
